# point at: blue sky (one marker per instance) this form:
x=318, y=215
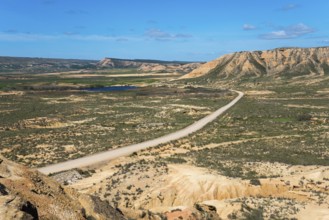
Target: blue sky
x=191, y=30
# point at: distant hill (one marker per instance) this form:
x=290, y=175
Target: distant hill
x=277, y=63
x=46, y=65
x=149, y=65
x=115, y=62
x=37, y=65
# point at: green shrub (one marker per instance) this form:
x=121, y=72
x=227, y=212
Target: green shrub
x=176, y=160
x=255, y=182
x=304, y=117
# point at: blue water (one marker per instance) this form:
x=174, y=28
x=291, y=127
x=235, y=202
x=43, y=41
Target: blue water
x=110, y=88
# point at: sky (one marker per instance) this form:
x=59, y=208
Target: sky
x=184, y=30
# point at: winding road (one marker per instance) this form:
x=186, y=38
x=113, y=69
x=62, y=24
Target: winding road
x=124, y=151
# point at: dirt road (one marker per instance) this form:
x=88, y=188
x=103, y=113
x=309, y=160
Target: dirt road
x=123, y=151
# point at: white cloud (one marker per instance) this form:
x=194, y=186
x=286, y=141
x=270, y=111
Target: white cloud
x=94, y=37
x=325, y=41
x=289, y=7
x=69, y=33
x=155, y=34
x=248, y=27
x=122, y=39
x=76, y=12
x=289, y=32
x=158, y=34
x=16, y=37
x=26, y=37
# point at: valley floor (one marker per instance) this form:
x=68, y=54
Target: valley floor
x=124, y=151
x=267, y=158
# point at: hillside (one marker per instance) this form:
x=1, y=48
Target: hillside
x=278, y=63
x=149, y=65
x=27, y=194
x=49, y=65
x=40, y=65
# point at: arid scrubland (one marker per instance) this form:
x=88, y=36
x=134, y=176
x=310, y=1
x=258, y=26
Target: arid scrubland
x=265, y=158
x=40, y=127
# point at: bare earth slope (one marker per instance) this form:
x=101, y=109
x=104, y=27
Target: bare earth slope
x=26, y=194
x=277, y=62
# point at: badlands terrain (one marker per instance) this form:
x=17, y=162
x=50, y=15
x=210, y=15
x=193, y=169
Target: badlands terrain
x=265, y=158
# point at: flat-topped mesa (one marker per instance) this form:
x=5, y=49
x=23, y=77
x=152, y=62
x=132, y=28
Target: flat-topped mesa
x=280, y=61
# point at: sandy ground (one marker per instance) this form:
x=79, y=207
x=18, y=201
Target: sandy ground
x=306, y=106
x=109, y=155
x=11, y=93
x=258, y=92
x=184, y=185
x=314, y=212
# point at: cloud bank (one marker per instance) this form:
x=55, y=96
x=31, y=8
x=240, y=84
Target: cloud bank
x=157, y=34
x=289, y=32
x=248, y=27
